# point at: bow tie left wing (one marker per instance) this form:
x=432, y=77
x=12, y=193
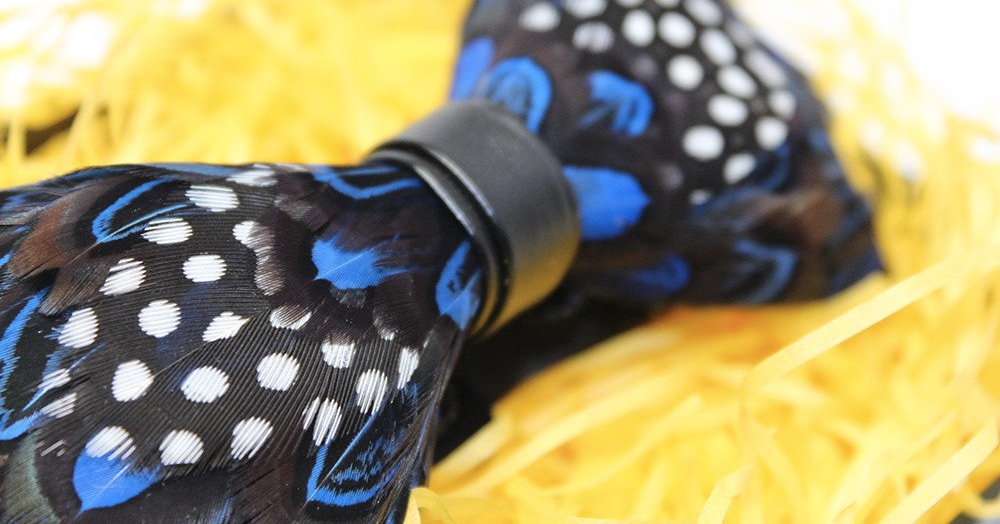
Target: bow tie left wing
x=225, y=342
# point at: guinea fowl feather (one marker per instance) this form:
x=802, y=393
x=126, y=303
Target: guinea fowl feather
x=271, y=342
x=691, y=126
x=164, y=357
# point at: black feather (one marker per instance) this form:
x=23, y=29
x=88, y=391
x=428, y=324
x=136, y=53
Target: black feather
x=205, y=343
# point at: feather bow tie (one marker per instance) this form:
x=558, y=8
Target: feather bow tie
x=270, y=342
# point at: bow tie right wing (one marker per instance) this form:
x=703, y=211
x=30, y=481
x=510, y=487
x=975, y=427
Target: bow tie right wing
x=700, y=158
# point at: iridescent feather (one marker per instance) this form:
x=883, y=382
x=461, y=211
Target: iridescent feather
x=209, y=343
x=271, y=342
x=700, y=158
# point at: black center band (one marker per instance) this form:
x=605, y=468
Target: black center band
x=507, y=190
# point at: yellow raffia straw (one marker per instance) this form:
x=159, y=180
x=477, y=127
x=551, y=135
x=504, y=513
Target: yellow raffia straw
x=949, y=475
x=879, y=404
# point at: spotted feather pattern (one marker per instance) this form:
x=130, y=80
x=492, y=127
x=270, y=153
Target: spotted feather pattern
x=270, y=342
x=224, y=343
x=699, y=157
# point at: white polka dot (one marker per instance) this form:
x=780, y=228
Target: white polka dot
x=629, y=3
x=213, y=198
x=309, y=413
x=258, y=177
x=371, y=389
x=277, y=371
x=703, y=142
x=205, y=384
x=771, y=133
x=226, y=325
x=59, y=447
x=249, y=436
x=327, y=415
x=740, y=33
x=181, y=447
x=705, y=11
x=736, y=81
x=160, y=318
x=241, y=231
x=717, y=47
x=700, y=196
x=80, y=330
x=685, y=72
x=738, y=167
x=289, y=317
x=125, y=276
x=667, y=3
x=542, y=16
x=204, y=268
x=338, y=355
x=639, y=28
x=408, y=362
x=782, y=103
x=676, y=30
x=131, y=380
x=61, y=406
x=54, y=379
x=595, y=37
x=584, y=8
x=112, y=442
x=766, y=68
x=268, y=275
x=727, y=110
x=167, y=231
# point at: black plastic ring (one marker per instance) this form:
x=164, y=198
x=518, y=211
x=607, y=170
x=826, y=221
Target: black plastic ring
x=506, y=189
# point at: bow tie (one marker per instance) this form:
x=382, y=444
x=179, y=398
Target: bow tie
x=271, y=341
